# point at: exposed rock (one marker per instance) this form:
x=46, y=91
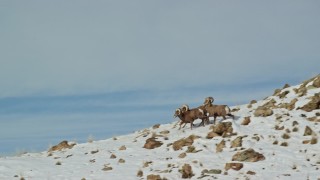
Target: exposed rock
x=295, y=129
x=156, y=126
x=256, y=137
x=286, y=86
x=248, y=155
x=290, y=106
x=146, y=164
x=205, y=171
x=177, y=145
x=313, y=104
x=191, y=149
x=164, y=132
x=113, y=156
x=308, y=131
x=61, y=145
x=211, y=135
x=277, y=127
x=314, y=119
x=246, y=121
x=235, y=109
x=186, y=171
x=285, y=136
x=214, y=171
x=302, y=91
x=94, y=152
x=152, y=143
x=234, y=166
x=263, y=111
x=314, y=140
x=306, y=142
x=139, y=173
x=106, y=168
x=222, y=128
x=276, y=92
x=251, y=173
x=182, y=155
x=283, y=94
x=253, y=101
x=220, y=146
x=237, y=142
x=270, y=104
x=153, y=177
x=122, y=148
x=316, y=82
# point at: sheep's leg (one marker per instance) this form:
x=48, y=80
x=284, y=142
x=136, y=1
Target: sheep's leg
x=224, y=117
x=202, y=123
x=207, y=120
x=214, y=120
x=191, y=123
x=181, y=124
x=184, y=125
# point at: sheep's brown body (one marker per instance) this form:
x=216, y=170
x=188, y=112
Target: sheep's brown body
x=189, y=116
x=216, y=110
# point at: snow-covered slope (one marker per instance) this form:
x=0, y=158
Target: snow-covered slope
x=276, y=144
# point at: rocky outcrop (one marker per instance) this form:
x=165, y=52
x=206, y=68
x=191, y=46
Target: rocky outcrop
x=177, y=145
x=186, y=171
x=237, y=142
x=61, y=145
x=262, y=111
x=246, y=121
x=220, y=146
x=222, y=128
x=308, y=131
x=248, y=155
x=234, y=166
x=316, y=82
x=152, y=143
x=153, y=177
x=313, y=104
x=290, y=106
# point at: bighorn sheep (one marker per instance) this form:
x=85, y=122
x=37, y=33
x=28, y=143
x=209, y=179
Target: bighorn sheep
x=215, y=110
x=189, y=116
x=208, y=100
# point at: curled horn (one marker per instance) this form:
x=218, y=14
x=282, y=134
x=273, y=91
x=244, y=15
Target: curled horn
x=211, y=99
x=177, y=112
x=185, y=107
x=207, y=100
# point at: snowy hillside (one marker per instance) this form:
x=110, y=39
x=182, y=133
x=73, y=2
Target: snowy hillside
x=274, y=138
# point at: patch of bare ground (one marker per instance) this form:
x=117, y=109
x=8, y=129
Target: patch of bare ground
x=61, y=145
x=186, y=171
x=177, y=145
x=248, y=155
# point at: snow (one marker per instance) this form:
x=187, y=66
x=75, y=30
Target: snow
x=86, y=161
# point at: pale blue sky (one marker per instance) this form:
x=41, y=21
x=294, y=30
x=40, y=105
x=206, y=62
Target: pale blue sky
x=88, y=58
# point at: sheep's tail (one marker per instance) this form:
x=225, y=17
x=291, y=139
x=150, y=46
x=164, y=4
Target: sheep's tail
x=228, y=111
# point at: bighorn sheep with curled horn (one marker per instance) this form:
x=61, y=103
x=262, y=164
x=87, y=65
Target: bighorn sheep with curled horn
x=188, y=116
x=215, y=110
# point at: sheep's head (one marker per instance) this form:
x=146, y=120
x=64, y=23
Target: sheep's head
x=208, y=100
x=184, y=108
x=177, y=113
